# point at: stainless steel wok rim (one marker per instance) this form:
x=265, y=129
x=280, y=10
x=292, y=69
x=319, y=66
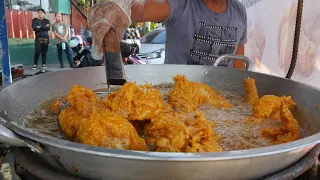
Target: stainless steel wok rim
x=157, y=156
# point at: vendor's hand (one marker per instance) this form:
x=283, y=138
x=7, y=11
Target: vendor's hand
x=47, y=25
x=105, y=16
x=38, y=27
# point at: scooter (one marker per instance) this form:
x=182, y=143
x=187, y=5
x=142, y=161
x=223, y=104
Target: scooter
x=133, y=58
x=82, y=47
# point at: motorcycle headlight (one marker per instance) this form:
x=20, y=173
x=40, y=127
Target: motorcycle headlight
x=156, y=54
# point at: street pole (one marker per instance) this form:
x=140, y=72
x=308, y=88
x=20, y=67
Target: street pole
x=4, y=48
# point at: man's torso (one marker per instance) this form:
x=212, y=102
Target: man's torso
x=59, y=28
x=42, y=23
x=196, y=35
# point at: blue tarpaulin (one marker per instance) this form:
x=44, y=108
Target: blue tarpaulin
x=4, y=48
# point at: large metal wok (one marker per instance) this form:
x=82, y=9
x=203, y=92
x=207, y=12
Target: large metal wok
x=21, y=98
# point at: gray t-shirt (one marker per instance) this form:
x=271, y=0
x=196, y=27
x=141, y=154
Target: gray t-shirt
x=197, y=35
x=59, y=28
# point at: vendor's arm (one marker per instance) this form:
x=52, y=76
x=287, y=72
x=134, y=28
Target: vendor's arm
x=47, y=26
x=152, y=10
x=35, y=26
x=238, y=64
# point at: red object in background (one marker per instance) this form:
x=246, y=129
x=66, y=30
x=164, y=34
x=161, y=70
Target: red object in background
x=17, y=70
x=77, y=20
x=9, y=23
x=19, y=23
x=28, y=26
x=15, y=23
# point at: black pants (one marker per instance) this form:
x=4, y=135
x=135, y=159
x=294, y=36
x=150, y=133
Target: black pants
x=68, y=52
x=41, y=47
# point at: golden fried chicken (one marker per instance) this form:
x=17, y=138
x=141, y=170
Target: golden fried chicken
x=70, y=121
x=176, y=132
x=137, y=102
x=88, y=121
x=167, y=132
x=269, y=106
x=187, y=96
x=250, y=88
x=83, y=102
x=290, y=131
x=111, y=131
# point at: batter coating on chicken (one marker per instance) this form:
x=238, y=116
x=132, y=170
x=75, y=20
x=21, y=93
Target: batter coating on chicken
x=176, y=132
x=83, y=102
x=250, y=88
x=276, y=108
x=70, y=121
x=269, y=106
x=88, y=120
x=110, y=131
x=290, y=131
x=187, y=96
x=137, y=102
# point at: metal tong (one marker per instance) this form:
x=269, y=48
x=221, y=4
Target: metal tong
x=113, y=60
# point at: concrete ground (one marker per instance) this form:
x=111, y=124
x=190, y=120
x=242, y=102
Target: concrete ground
x=50, y=67
x=28, y=71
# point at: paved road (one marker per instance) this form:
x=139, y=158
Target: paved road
x=29, y=71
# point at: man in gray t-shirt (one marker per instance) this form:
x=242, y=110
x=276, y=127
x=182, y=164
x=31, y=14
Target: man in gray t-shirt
x=198, y=31
x=60, y=31
x=198, y=35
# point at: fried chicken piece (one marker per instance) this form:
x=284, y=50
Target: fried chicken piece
x=137, y=102
x=250, y=88
x=203, y=138
x=273, y=132
x=290, y=131
x=70, y=121
x=110, y=131
x=83, y=102
x=167, y=132
x=269, y=106
x=187, y=96
x=176, y=132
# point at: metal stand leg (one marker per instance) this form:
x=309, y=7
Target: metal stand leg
x=4, y=48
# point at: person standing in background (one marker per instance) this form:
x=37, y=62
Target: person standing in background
x=61, y=32
x=41, y=26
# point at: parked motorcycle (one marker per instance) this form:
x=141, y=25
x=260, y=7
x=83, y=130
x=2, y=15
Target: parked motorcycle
x=82, y=47
x=133, y=58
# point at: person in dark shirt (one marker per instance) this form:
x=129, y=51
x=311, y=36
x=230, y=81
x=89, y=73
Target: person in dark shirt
x=41, y=26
